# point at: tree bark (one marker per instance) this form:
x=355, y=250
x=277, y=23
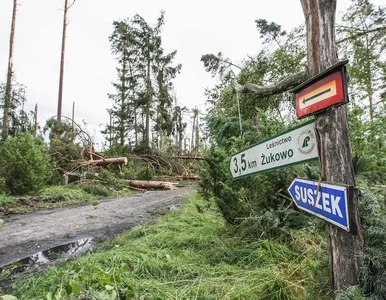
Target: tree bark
x=36, y=120
x=193, y=131
x=61, y=75
x=123, y=95
x=148, y=104
x=8, y=90
x=334, y=144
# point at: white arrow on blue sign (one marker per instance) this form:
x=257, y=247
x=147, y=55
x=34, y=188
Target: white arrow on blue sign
x=328, y=203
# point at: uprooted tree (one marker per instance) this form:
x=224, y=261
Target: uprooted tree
x=333, y=138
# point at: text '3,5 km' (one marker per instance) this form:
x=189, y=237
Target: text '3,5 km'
x=293, y=146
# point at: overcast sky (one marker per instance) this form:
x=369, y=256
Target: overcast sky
x=193, y=28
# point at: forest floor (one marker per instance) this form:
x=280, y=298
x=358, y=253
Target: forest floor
x=23, y=235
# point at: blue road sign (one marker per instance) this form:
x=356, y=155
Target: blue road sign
x=328, y=203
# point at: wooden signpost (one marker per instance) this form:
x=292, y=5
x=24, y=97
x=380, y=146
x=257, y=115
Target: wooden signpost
x=323, y=95
x=294, y=146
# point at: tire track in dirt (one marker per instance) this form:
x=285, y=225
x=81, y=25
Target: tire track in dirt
x=24, y=235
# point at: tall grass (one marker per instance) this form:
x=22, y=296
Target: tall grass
x=189, y=254
x=6, y=200
x=66, y=194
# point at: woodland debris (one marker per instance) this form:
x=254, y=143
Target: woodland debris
x=104, y=161
x=137, y=189
x=188, y=177
x=143, y=184
x=187, y=157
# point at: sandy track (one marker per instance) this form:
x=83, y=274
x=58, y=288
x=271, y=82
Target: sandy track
x=24, y=235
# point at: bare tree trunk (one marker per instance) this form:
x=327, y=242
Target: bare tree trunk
x=8, y=90
x=60, y=96
x=36, y=120
x=147, y=127
x=105, y=161
x=73, y=115
x=152, y=184
x=110, y=129
x=123, y=95
x=135, y=126
x=369, y=83
x=197, y=142
x=193, y=132
x=334, y=144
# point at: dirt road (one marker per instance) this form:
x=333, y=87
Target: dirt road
x=24, y=235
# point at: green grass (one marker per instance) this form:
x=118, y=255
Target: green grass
x=189, y=255
x=55, y=196
x=66, y=194
x=6, y=200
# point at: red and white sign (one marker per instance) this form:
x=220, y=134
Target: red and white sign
x=321, y=94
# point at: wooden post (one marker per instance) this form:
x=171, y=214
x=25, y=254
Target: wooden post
x=334, y=144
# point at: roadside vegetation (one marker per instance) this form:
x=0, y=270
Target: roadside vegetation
x=191, y=254
x=237, y=239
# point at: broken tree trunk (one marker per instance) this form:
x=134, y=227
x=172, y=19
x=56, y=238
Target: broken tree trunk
x=143, y=184
x=105, y=161
x=188, y=177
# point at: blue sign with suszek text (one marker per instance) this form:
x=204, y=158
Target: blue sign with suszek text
x=329, y=202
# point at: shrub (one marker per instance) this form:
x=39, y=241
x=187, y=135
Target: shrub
x=25, y=164
x=372, y=276
x=66, y=194
x=112, y=179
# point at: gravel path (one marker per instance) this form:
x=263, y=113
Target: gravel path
x=24, y=235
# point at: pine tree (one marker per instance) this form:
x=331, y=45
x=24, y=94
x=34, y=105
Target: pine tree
x=148, y=41
x=122, y=110
x=165, y=73
x=179, y=126
x=363, y=41
x=144, y=83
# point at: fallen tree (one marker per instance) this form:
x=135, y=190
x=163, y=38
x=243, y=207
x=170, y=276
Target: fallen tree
x=188, y=177
x=143, y=184
x=104, y=161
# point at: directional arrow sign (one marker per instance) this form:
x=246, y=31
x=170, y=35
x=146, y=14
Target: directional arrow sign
x=324, y=90
x=291, y=147
x=329, y=202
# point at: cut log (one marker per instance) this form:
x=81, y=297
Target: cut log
x=187, y=157
x=143, y=184
x=137, y=189
x=105, y=161
x=188, y=177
